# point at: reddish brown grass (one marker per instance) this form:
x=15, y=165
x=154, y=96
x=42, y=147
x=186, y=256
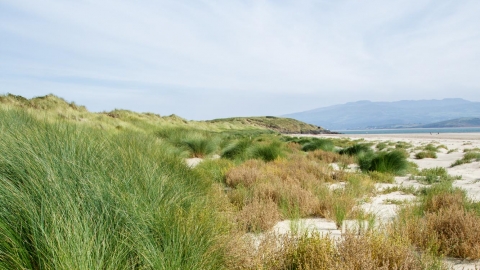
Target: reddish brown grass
x=368, y=251
x=331, y=157
x=258, y=216
x=446, y=228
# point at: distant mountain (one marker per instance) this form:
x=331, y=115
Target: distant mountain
x=406, y=113
x=458, y=122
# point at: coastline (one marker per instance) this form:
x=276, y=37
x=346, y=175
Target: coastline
x=401, y=136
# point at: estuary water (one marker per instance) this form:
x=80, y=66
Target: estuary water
x=412, y=130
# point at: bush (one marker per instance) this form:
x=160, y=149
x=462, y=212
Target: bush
x=267, y=152
x=199, y=146
x=237, y=150
x=425, y=154
x=381, y=146
x=468, y=157
x=380, y=177
x=445, y=222
x=258, y=216
x=356, y=149
x=393, y=162
x=434, y=175
x=316, y=144
x=370, y=251
x=214, y=169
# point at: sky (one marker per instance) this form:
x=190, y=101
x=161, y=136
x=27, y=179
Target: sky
x=213, y=59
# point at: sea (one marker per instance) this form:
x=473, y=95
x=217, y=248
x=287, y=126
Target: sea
x=411, y=130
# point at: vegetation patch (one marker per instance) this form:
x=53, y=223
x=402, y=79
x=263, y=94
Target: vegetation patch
x=433, y=175
x=445, y=222
x=393, y=162
x=468, y=157
x=426, y=154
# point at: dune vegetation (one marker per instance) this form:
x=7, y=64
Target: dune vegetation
x=112, y=190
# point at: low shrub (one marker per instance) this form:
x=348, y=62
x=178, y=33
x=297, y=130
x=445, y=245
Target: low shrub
x=267, y=152
x=433, y=175
x=425, y=154
x=381, y=177
x=258, y=216
x=381, y=146
x=403, y=145
x=315, y=144
x=237, y=150
x=370, y=251
x=199, y=146
x=393, y=162
x=430, y=148
x=468, y=157
x=356, y=149
x=445, y=222
x=330, y=157
x=214, y=169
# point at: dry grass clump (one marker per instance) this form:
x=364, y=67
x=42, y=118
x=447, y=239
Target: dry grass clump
x=290, y=184
x=314, y=251
x=297, y=187
x=380, y=177
x=445, y=223
x=246, y=174
x=258, y=216
x=331, y=157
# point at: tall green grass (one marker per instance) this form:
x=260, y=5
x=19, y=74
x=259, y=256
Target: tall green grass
x=356, y=149
x=394, y=162
x=315, y=144
x=80, y=198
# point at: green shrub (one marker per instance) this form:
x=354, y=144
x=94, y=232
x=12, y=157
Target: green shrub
x=267, y=152
x=434, y=175
x=425, y=154
x=381, y=177
x=356, y=149
x=381, y=146
x=322, y=144
x=214, y=169
x=403, y=145
x=199, y=146
x=237, y=150
x=468, y=157
x=393, y=162
x=430, y=148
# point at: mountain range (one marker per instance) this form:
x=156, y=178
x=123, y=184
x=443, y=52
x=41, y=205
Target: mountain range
x=405, y=113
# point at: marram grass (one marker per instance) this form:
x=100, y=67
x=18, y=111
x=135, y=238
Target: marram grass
x=80, y=198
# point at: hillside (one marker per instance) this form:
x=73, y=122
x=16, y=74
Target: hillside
x=458, y=122
x=367, y=114
x=279, y=124
x=52, y=107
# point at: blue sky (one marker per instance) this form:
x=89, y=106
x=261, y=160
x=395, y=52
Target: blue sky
x=211, y=59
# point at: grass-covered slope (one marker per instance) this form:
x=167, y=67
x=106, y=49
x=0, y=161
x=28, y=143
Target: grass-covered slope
x=279, y=124
x=53, y=107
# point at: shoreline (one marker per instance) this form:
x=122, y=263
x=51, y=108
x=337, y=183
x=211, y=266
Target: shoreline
x=442, y=136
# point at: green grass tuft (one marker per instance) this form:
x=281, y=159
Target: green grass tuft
x=393, y=162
